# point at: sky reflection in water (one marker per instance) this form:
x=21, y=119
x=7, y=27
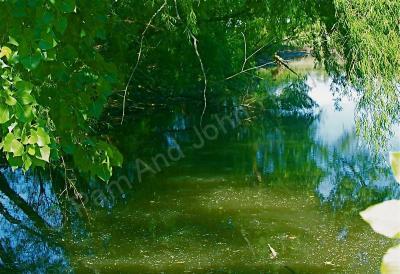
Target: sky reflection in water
x=266, y=165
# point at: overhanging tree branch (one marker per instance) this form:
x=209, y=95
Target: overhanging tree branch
x=204, y=76
x=139, y=55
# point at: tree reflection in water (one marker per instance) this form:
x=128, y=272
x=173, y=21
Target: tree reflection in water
x=29, y=225
x=288, y=150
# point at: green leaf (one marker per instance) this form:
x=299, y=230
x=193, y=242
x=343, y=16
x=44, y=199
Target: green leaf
x=42, y=137
x=391, y=261
x=33, y=139
x=24, y=138
x=17, y=148
x=47, y=42
x=31, y=150
x=7, y=142
x=24, y=87
x=26, y=98
x=24, y=113
x=61, y=25
x=38, y=162
x=394, y=158
x=11, y=101
x=4, y=114
x=24, y=90
x=27, y=162
x=113, y=153
x=12, y=41
x=31, y=62
x=11, y=144
x=14, y=162
x=102, y=171
x=384, y=218
x=47, y=18
x=66, y=6
x=45, y=153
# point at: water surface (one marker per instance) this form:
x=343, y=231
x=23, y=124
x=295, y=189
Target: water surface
x=276, y=193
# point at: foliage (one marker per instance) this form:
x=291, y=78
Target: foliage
x=54, y=83
x=362, y=50
x=384, y=218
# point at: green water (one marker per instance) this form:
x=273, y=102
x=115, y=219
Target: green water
x=273, y=194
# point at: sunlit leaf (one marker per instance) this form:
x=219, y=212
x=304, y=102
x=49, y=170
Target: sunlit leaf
x=12, y=126
x=24, y=86
x=42, y=137
x=33, y=139
x=26, y=98
x=11, y=144
x=4, y=114
x=27, y=162
x=45, y=153
x=12, y=41
x=11, y=101
x=394, y=158
x=5, y=52
x=31, y=150
x=7, y=142
x=24, y=138
x=17, y=148
x=384, y=218
x=391, y=261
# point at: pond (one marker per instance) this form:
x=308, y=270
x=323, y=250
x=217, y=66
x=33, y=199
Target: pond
x=243, y=193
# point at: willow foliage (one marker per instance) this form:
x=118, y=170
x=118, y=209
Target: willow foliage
x=364, y=46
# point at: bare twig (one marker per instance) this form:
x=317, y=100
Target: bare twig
x=246, y=70
x=138, y=57
x=204, y=77
x=70, y=183
x=177, y=11
x=247, y=58
x=245, y=51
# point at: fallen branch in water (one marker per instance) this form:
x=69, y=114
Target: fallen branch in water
x=280, y=61
x=277, y=59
